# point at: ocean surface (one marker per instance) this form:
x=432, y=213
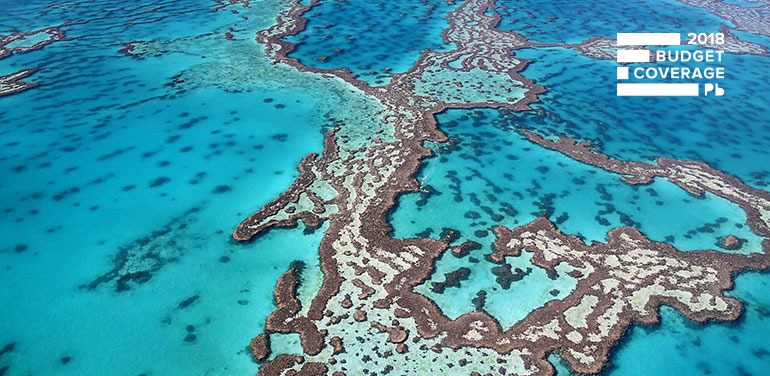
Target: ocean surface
x=378, y=37
x=105, y=173
x=492, y=176
x=120, y=182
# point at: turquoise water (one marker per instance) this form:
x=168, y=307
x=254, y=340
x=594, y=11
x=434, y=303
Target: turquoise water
x=491, y=175
x=119, y=192
x=375, y=37
x=679, y=346
x=750, y=37
x=106, y=169
x=581, y=102
x=747, y=4
x=565, y=21
x=488, y=161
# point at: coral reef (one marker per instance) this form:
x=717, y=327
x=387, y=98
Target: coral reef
x=366, y=316
x=10, y=84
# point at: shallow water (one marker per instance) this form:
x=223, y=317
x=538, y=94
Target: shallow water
x=374, y=38
x=564, y=21
x=119, y=191
x=727, y=132
x=491, y=175
x=679, y=346
x=581, y=99
x=107, y=170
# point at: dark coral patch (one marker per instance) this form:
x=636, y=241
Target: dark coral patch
x=187, y=302
x=222, y=189
x=505, y=277
x=159, y=181
x=451, y=279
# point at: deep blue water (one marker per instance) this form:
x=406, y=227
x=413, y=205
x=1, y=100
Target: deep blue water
x=678, y=346
x=564, y=21
x=493, y=176
x=104, y=157
x=581, y=99
x=729, y=132
x=372, y=35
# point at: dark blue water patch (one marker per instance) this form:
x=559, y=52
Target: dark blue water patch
x=372, y=38
x=488, y=175
x=565, y=21
x=83, y=150
x=730, y=133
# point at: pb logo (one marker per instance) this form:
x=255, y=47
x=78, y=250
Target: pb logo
x=713, y=88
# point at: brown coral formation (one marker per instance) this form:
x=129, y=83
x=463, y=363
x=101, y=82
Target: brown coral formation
x=10, y=84
x=625, y=280
x=480, y=45
x=369, y=277
x=285, y=320
x=599, y=48
x=14, y=43
x=283, y=211
x=260, y=347
x=222, y=4
x=751, y=19
x=129, y=47
x=693, y=176
x=18, y=43
x=730, y=243
x=465, y=248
